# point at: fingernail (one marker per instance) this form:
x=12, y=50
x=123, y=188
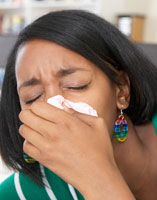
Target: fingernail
x=67, y=104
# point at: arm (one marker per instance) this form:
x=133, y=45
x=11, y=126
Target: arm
x=108, y=186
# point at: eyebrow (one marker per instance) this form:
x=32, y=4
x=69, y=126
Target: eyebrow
x=59, y=74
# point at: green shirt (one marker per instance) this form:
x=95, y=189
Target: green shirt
x=19, y=186
x=154, y=121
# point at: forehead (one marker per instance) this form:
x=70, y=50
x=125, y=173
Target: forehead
x=37, y=56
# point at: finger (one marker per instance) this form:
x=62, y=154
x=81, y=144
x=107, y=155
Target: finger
x=32, y=136
x=31, y=150
x=57, y=115
x=36, y=123
x=50, y=112
x=88, y=119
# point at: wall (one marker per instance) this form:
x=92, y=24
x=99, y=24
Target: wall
x=110, y=8
x=147, y=7
x=4, y=171
x=151, y=23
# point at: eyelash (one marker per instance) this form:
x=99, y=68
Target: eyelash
x=32, y=100
x=71, y=88
x=78, y=88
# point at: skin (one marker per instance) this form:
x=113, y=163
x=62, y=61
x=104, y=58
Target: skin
x=79, y=148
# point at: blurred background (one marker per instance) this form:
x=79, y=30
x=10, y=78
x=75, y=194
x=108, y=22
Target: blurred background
x=135, y=18
x=138, y=18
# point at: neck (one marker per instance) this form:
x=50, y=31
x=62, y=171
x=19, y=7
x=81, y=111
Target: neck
x=132, y=160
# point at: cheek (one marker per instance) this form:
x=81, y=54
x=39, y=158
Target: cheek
x=105, y=104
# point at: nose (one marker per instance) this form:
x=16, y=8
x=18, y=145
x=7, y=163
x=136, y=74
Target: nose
x=52, y=91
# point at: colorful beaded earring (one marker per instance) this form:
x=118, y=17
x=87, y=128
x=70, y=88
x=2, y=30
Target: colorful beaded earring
x=121, y=123
x=28, y=159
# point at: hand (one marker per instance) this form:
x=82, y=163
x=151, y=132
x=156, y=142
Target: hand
x=75, y=146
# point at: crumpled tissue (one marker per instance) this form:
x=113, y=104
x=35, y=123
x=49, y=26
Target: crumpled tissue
x=78, y=106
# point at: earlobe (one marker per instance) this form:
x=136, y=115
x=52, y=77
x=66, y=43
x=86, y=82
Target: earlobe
x=123, y=91
x=123, y=97
x=122, y=103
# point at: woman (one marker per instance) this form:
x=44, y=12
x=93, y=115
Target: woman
x=85, y=59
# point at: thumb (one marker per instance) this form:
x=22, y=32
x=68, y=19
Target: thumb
x=87, y=119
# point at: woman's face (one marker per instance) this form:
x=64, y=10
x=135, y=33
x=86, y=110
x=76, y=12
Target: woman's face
x=45, y=69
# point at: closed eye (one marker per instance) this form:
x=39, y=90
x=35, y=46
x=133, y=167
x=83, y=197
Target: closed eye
x=72, y=88
x=78, y=88
x=32, y=100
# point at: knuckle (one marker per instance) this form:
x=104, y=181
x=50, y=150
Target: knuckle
x=100, y=121
x=64, y=124
x=47, y=147
x=43, y=129
x=25, y=146
x=22, y=129
x=23, y=114
x=56, y=136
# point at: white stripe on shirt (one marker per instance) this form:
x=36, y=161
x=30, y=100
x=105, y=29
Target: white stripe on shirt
x=46, y=183
x=73, y=193
x=18, y=186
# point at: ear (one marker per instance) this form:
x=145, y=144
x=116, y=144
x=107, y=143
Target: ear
x=122, y=90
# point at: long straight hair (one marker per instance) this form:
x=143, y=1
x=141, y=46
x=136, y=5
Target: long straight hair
x=98, y=41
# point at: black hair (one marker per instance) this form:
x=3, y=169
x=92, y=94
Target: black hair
x=98, y=41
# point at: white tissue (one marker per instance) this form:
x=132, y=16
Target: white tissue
x=79, y=106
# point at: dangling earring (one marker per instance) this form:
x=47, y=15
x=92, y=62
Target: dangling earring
x=28, y=159
x=121, y=135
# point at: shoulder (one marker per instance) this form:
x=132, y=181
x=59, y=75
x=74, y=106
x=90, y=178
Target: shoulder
x=17, y=187
x=8, y=189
